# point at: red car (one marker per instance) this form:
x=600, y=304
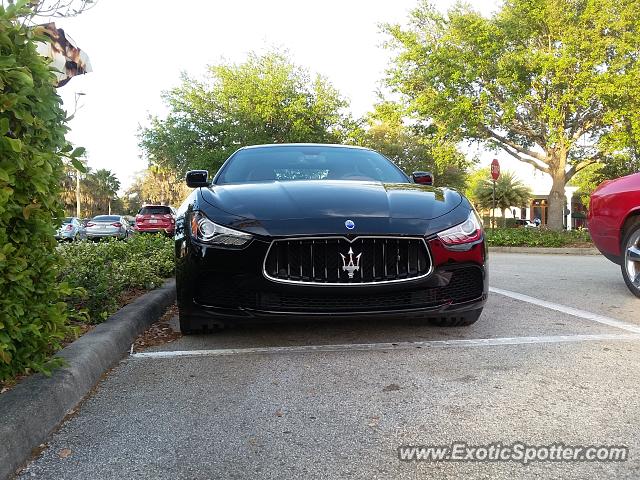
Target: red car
x=155, y=219
x=614, y=225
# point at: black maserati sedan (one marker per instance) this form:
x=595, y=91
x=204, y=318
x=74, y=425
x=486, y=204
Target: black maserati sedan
x=310, y=230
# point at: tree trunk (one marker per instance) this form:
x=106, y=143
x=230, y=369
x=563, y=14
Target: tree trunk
x=555, y=212
x=78, y=194
x=504, y=218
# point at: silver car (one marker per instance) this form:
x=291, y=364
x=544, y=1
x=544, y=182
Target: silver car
x=71, y=229
x=102, y=226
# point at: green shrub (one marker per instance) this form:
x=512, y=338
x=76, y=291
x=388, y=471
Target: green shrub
x=105, y=270
x=535, y=237
x=33, y=319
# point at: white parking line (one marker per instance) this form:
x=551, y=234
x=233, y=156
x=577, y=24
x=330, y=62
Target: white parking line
x=594, y=317
x=479, y=342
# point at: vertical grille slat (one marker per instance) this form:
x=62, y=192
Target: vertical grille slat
x=313, y=262
x=384, y=259
x=323, y=260
x=397, y=259
x=373, y=272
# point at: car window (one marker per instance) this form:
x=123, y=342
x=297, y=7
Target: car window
x=155, y=210
x=106, y=218
x=309, y=162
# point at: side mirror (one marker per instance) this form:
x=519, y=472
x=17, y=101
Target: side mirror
x=423, y=178
x=197, y=178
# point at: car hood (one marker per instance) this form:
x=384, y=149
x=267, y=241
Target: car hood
x=324, y=199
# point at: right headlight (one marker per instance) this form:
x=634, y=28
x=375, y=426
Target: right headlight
x=206, y=231
x=464, y=235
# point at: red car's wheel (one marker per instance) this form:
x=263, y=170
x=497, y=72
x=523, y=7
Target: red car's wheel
x=631, y=259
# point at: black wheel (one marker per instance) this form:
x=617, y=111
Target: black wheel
x=631, y=257
x=463, y=319
x=194, y=325
x=185, y=325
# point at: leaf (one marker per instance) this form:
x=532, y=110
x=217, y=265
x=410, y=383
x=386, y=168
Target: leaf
x=78, y=152
x=78, y=165
x=4, y=126
x=26, y=211
x=4, y=176
x=14, y=143
x=65, y=453
x=22, y=77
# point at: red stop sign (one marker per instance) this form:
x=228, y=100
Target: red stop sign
x=495, y=169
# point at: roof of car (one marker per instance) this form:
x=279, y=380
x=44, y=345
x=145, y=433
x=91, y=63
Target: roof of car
x=331, y=145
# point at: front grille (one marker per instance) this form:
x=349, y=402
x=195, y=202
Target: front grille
x=465, y=284
x=337, y=260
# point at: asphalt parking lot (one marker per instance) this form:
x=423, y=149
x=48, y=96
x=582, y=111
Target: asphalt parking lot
x=552, y=360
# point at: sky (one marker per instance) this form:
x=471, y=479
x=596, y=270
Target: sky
x=139, y=48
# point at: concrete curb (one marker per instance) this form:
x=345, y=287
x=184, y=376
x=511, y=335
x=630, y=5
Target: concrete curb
x=36, y=406
x=546, y=250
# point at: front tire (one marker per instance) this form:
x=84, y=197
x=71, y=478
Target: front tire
x=463, y=319
x=195, y=325
x=185, y=325
x=631, y=257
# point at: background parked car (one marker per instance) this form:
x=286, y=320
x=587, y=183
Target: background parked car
x=131, y=222
x=102, y=226
x=614, y=225
x=526, y=223
x=71, y=229
x=155, y=219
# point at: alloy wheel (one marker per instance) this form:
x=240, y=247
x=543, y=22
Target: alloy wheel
x=632, y=259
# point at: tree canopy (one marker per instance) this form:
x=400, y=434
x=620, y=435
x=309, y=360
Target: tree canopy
x=554, y=83
x=412, y=146
x=266, y=99
x=156, y=185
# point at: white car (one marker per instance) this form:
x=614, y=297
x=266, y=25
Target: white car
x=102, y=226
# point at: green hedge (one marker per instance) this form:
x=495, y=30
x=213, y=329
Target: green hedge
x=33, y=319
x=535, y=237
x=101, y=272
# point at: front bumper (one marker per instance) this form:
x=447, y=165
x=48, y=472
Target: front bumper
x=230, y=286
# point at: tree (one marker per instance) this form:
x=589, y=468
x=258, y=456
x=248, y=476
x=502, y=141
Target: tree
x=554, y=83
x=107, y=185
x=474, y=179
x=58, y=8
x=411, y=145
x=266, y=99
x=590, y=177
x=510, y=192
x=156, y=185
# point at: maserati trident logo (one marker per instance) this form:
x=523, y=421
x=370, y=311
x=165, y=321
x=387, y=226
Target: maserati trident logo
x=351, y=267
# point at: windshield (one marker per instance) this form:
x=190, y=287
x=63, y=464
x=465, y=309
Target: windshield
x=308, y=162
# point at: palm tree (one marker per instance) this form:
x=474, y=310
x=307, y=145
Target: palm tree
x=107, y=186
x=510, y=192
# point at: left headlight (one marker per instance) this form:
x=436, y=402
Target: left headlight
x=211, y=233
